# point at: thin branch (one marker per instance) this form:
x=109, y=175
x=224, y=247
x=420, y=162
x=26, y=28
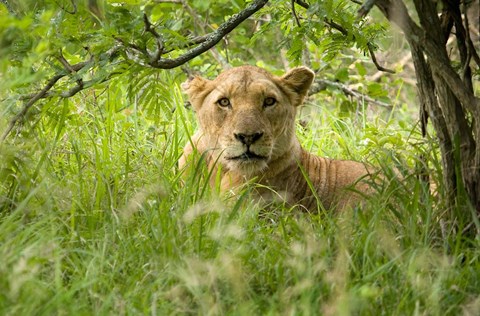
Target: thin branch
x=400, y=64
x=45, y=92
x=212, y=39
x=205, y=43
x=365, y=8
x=397, y=13
x=322, y=84
x=337, y=27
x=471, y=51
x=375, y=62
x=194, y=41
x=330, y=23
x=295, y=13
x=344, y=32
x=302, y=4
x=201, y=25
x=158, y=39
x=66, y=64
x=64, y=8
x=74, y=90
x=70, y=69
x=132, y=46
x=467, y=71
x=8, y=6
x=70, y=93
x=168, y=1
x=29, y=104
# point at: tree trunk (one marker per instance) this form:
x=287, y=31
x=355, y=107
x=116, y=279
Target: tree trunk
x=446, y=95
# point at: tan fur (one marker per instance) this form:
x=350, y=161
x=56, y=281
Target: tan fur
x=227, y=132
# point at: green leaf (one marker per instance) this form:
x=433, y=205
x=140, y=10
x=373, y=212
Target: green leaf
x=342, y=75
x=360, y=69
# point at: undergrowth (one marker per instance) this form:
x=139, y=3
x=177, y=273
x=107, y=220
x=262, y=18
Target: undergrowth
x=95, y=219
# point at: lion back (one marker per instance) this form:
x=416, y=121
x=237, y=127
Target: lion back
x=336, y=184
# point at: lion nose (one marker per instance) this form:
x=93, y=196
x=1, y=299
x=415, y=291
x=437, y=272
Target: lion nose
x=248, y=139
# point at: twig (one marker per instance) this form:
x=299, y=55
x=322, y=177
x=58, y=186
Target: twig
x=72, y=91
x=64, y=8
x=45, y=92
x=207, y=42
x=8, y=6
x=471, y=51
x=344, y=32
x=66, y=64
x=29, y=104
x=365, y=8
x=330, y=23
x=302, y=4
x=400, y=64
x=375, y=62
x=203, y=43
x=467, y=71
x=322, y=84
x=168, y=1
x=397, y=12
x=158, y=39
x=131, y=45
x=202, y=26
x=212, y=39
x=295, y=13
x=69, y=68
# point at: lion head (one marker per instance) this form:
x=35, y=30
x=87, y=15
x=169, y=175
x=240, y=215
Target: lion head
x=246, y=115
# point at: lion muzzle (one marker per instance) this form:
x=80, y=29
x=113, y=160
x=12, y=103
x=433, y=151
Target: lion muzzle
x=248, y=139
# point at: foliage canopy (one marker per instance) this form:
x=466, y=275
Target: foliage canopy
x=73, y=45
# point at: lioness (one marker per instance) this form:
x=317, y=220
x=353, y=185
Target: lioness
x=246, y=130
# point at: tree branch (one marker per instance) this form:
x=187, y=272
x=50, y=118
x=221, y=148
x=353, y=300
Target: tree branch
x=64, y=7
x=212, y=39
x=322, y=84
x=470, y=47
x=450, y=102
x=365, y=8
x=397, y=12
x=204, y=43
x=168, y=1
x=375, y=62
x=302, y=4
x=295, y=14
x=45, y=92
x=158, y=39
x=344, y=32
x=29, y=104
x=8, y=6
x=202, y=25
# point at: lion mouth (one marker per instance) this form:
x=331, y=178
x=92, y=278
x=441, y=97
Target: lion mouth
x=248, y=156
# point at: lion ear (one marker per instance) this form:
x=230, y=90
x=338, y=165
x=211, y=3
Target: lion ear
x=196, y=89
x=299, y=80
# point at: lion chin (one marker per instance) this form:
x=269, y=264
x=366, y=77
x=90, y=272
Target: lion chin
x=247, y=164
x=249, y=161
x=249, y=114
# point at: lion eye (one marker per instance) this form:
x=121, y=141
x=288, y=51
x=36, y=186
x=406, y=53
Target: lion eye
x=269, y=101
x=224, y=102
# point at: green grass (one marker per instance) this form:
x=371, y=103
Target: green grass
x=95, y=220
